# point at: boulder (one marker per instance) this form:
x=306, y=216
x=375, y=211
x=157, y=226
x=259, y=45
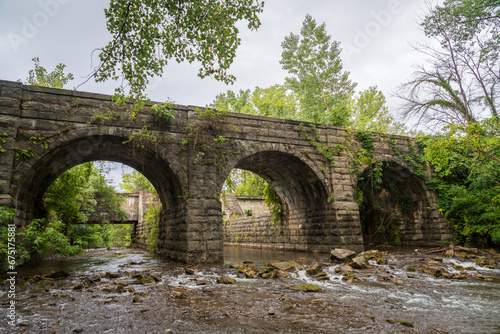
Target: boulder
x=344, y=268
x=284, y=265
x=225, y=280
x=374, y=255
x=359, y=262
x=341, y=255
x=431, y=270
x=314, y=269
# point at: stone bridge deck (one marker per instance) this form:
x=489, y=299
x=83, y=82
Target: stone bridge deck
x=46, y=131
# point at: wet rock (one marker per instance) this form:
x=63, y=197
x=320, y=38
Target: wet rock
x=359, y=262
x=314, y=269
x=411, y=268
x=459, y=276
x=484, y=278
x=120, y=288
x=121, y=283
x=431, y=270
x=485, y=262
x=322, y=276
x=43, y=285
x=458, y=267
x=248, y=272
x=350, y=277
x=269, y=274
x=111, y=275
x=60, y=274
x=405, y=323
x=284, y=275
x=78, y=330
x=374, y=255
x=148, y=279
x=344, y=268
x=341, y=255
x=225, y=280
x=137, y=300
x=306, y=288
x=78, y=287
x=189, y=271
x=201, y=283
x=284, y=265
x=467, y=250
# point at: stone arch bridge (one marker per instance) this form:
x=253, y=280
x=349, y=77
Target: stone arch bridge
x=314, y=169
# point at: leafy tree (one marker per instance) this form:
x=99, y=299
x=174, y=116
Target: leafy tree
x=135, y=181
x=55, y=79
x=466, y=165
x=147, y=35
x=66, y=194
x=317, y=78
x=234, y=102
x=371, y=114
x=458, y=88
x=273, y=101
x=81, y=195
x=460, y=83
x=250, y=184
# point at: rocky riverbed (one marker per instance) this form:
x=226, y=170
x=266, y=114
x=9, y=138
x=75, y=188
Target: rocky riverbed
x=449, y=290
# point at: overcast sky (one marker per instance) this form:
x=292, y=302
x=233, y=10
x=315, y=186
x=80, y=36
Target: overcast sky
x=376, y=37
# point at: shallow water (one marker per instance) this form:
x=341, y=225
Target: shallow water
x=192, y=300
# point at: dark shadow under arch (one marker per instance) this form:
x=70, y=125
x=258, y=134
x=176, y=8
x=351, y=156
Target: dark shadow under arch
x=394, y=211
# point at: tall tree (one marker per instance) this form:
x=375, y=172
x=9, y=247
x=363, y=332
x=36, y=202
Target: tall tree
x=146, y=35
x=370, y=113
x=317, y=77
x=460, y=83
x=273, y=101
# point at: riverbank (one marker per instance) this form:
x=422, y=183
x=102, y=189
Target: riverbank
x=128, y=291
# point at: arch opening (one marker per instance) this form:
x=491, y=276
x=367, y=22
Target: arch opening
x=392, y=206
x=302, y=199
x=33, y=180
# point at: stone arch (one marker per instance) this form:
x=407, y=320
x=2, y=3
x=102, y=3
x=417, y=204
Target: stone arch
x=397, y=211
x=32, y=177
x=306, y=222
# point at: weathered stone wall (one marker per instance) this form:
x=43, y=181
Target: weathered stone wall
x=141, y=230
x=46, y=131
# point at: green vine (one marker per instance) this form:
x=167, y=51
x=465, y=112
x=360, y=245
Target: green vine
x=142, y=139
x=413, y=159
x=272, y=201
x=3, y=140
x=102, y=117
x=34, y=143
x=312, y=136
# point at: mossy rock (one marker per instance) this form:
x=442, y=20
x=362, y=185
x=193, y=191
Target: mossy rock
x=306, y=288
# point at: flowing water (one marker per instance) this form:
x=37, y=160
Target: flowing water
x=104, y=294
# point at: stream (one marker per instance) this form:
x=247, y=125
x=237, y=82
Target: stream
x=129, y=291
